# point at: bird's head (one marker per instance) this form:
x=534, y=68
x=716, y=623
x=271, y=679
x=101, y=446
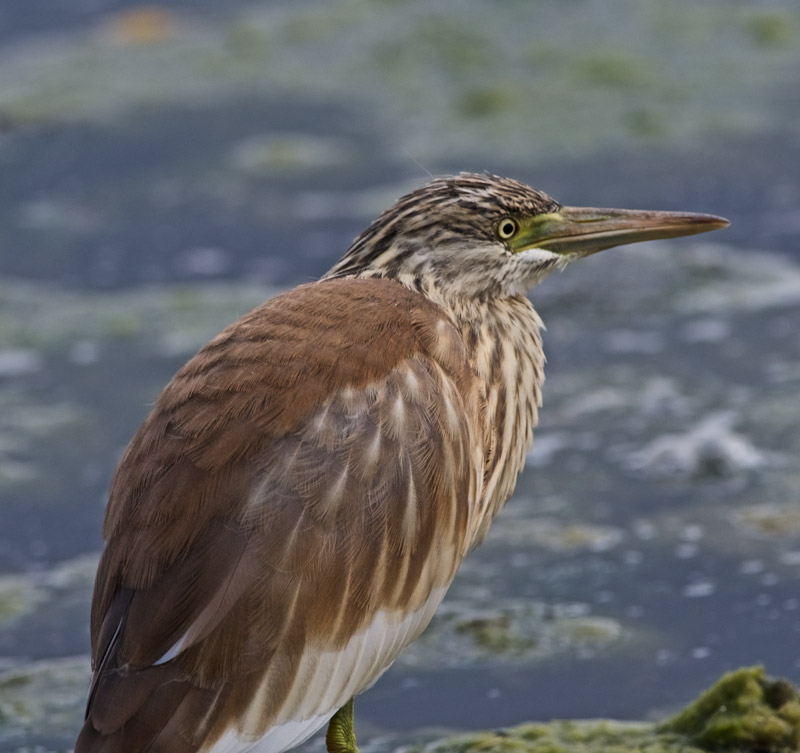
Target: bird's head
x=482, y=236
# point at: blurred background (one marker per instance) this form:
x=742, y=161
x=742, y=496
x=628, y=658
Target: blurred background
x=163, y=168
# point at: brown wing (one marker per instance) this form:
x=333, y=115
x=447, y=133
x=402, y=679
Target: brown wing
x=304, y=479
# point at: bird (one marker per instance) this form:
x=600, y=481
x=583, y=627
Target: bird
x=294, y=507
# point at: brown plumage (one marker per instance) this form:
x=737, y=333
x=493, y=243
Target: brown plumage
x=294, y=507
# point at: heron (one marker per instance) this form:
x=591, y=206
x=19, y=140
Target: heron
x=293, y=509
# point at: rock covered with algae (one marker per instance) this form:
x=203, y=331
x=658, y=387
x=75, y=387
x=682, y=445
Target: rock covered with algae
x=744, y=712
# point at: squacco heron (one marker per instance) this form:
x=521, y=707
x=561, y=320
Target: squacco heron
x=293, y=509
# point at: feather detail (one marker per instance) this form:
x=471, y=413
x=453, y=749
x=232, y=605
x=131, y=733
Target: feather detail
x=275, y=527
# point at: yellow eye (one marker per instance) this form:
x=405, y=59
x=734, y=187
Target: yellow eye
x=507, y=228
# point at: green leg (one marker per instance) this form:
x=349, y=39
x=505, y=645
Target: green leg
x=341, y=737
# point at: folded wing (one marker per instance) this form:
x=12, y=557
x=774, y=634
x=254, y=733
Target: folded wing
x=284, y=523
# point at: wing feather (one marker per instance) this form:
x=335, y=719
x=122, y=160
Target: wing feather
x=285, y=521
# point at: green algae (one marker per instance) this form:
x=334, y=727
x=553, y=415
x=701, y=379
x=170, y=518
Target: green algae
x=45, y=596
x=464, y=633
x=489, y=76
x=495, y=634
x=613, y=69
x=27, y=424
x=286, y=152
x=771, y=520
x=485, y=101
x=743, y=712
x=43, y=700
x=773, y=29
x=17, y=597
x=52, y=320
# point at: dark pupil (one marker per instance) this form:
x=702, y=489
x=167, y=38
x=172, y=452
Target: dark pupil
x=508, y=228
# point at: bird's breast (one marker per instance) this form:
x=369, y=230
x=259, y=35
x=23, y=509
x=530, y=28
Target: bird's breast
x=504, y=343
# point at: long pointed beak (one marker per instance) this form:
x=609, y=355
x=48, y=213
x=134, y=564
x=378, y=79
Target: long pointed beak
x=585, y=230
